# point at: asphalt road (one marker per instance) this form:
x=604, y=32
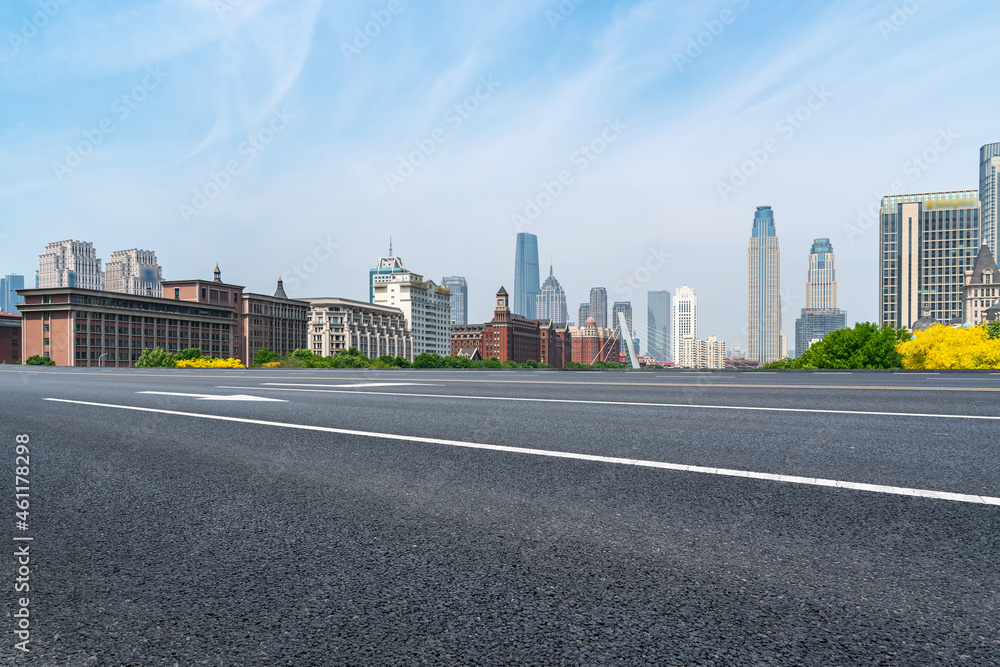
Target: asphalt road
x=447, y=517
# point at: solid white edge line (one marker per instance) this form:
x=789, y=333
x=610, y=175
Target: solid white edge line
x=875, y=488
x=625, y=403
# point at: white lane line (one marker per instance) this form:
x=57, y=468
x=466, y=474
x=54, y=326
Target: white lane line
x=626, y=403
x=725, y=472
x=348, y=386
x=828, y=373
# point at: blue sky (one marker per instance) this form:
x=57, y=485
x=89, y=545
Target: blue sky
x=262, y=134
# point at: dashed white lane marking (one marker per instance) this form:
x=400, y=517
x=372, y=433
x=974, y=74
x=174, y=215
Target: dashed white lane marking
x=725, y=472
x=274, y=386
x=356, y=384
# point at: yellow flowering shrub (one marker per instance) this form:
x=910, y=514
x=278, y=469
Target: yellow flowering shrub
x=941, y=346
x=272, y=364
x=209, y=362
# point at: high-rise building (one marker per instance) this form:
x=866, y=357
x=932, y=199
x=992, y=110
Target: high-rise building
x=583, y=313
x=551, y=302
x=133, y=272
x=459, y=289
x=821, y=315
x=624, y=307
x=526, y=288
x=927, y=242
x=599, y=306
x=981, y=290
x=9, y=298
x=821, y=281
x=425, y=305
x=658, y=325
x=763, y=289
x=989, y=193
x=69, y=264
x=684, y=319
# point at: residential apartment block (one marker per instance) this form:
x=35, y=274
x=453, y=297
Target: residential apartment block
x=709, y=353
x=70, y=264
x=133, y=272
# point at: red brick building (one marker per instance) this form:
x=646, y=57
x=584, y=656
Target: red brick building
x=10, y=338
x=513, y=337
x=592, y=343
x=276, y=323
x=82, y=327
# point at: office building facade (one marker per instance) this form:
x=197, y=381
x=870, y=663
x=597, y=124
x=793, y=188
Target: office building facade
x=927, y=242
x=591, y=343
x=70, y=264
x=814, y=324
x=133, y=272
x=583, y=313
x=989, y=194
x=551, y=302
x=336, y=324
x=526, y=280
x=425, y=305
x=684, y=319
x=763, y=289
x=9, y=298
x=459, y=290
x=658, y=329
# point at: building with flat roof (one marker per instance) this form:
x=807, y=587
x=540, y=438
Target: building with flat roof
x=927, y=242
x=10, y=338
x=658, y=329
x=70, y=264
x=709, y=353
x=989, y=194
x=219, y=295
x=133, y=271
x=684, y=320
x=274, y=323
x=337, y=324
x=526, y=288
x=821, y=315
x=9, y=298
x=459, y=290
x=599, y=306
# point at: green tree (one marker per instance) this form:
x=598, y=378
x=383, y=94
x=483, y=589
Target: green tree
x=866, y=345
x=39, y=360
x=155, y=358
x=264, y=356
x=492, y=362
x=189, y=354
x=457, y=362
x=428, y=360
x=993, y=329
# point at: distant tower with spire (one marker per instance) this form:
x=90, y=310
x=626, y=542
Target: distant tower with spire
x=550, y=304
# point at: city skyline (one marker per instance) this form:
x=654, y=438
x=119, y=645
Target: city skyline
x=325, y=153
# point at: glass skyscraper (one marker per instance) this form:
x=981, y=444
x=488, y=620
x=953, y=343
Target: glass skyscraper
x=764, y=290
x=459, y=289
x=9, y=298
x=821, y=315
x=526, y=287
x=989, y=193
x=658, y=325
x=551, y=302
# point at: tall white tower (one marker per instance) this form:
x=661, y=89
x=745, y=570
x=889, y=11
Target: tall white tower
x=685, y=318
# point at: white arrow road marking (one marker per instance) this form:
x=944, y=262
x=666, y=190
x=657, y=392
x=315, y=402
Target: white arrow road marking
x=211, y=397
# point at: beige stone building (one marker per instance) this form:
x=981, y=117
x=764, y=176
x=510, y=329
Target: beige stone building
x=338, y=324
